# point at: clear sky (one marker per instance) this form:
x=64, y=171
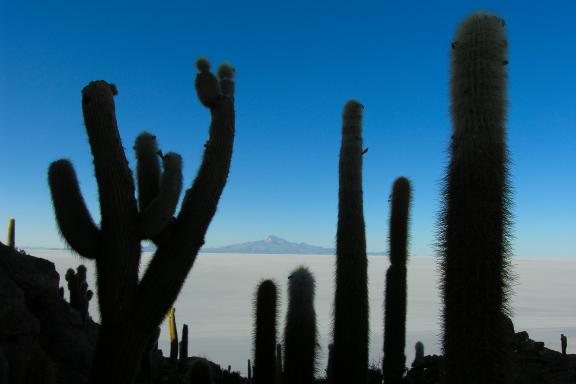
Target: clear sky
x=297, y=63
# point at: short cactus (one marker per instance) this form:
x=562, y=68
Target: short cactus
x=265, y=333
x=132, y=308
x=173, y=331
x=11, y=237
x=184, y=344
x=300, y=331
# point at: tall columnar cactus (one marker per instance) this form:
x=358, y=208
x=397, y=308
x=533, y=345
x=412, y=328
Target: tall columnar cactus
x=300, y=331
x=351, y=302
x=475, y=220
x=394, y=363
x=132, y=309
x=11, y=237
x=265, y=333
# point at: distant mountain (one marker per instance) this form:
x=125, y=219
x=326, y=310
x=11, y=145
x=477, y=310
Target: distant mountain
x=272, y=244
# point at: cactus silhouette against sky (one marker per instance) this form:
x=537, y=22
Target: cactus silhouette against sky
x=132, y=309
x=475, y=220
x=350, y=334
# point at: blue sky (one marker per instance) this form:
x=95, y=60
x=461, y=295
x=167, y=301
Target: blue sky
x=297, y=64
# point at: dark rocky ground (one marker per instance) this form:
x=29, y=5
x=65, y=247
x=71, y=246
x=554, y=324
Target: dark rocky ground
x=45, y=339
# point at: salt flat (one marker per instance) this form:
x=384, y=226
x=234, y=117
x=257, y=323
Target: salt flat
x=217, y=301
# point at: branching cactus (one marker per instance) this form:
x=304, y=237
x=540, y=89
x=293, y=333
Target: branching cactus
x=475, y=220
x=11, y=237
x=132, y=309
x=351, y=302
x=265, y=333
x=80, y=295
x=300, y=340
x=394, y=363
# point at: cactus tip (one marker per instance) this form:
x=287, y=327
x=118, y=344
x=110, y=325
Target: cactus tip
x=203, y=65
x=226, y=71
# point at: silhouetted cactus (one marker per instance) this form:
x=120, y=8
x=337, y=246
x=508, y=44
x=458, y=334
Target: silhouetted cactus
x=351, y=303
x=11, y=236
x=265, y=333
x=184, y=344
x=130, y=308
x=419, y=351
x=80, y=295
x=394, y=363
x=300, y=329
x=475, y=219
x=173, y=331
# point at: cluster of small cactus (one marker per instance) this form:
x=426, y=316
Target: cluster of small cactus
x=80, y=295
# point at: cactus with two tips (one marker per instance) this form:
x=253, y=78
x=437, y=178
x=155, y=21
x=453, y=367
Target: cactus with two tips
x=132, y=308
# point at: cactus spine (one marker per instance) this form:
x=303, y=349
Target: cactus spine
x=265, y=333
x=300, y=331
x=351, y=301
x=11, y=237
x=475, y=219
x=131, y=309
x=394, y=363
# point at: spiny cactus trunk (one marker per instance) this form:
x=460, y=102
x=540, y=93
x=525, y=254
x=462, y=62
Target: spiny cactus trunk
x=131, y=310
x=265, y=333
x=475, y=220
x=351, y=301
x=394, y=363
x=300, y=331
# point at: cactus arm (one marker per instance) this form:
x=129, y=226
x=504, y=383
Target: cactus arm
x=147, y=169
x=174, y=259
x=351, y=299
x=156, y=216
x=74, y=220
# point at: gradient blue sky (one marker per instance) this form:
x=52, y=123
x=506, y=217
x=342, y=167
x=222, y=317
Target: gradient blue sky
x=297, y=64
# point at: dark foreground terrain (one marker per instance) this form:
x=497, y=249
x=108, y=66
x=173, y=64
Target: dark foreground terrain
x=46, y=339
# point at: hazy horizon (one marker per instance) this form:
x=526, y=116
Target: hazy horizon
x=216, y=301
x=297, y=63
